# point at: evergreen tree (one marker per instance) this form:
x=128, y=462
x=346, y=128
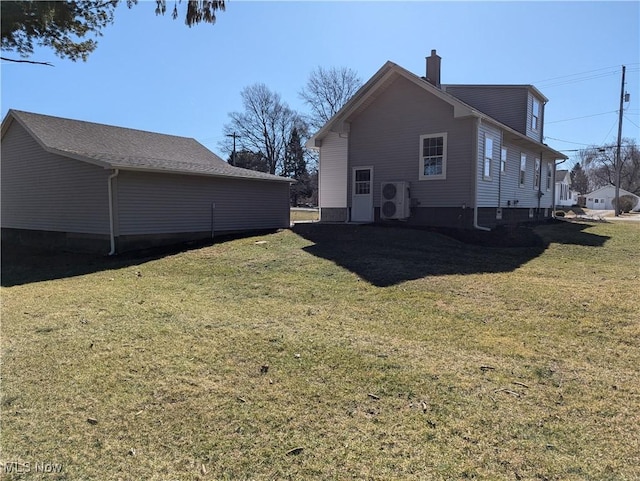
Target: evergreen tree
x=295, y=166
x=579, y=180
x=250, y=160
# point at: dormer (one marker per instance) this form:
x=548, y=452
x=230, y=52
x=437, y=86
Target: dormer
x=521, y=107
x=535, y=113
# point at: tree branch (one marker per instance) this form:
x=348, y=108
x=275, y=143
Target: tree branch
x=26, y=61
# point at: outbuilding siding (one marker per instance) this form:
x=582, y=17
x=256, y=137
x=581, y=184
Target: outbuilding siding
x=153, y=203
x=47, y=192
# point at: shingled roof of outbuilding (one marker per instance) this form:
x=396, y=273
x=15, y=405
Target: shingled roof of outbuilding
x=128, y=149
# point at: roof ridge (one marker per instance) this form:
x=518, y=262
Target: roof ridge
x=99, y=124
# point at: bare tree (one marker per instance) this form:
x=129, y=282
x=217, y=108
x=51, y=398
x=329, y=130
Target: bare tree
x=327, y=91
x=265, y=125
x=600, y=165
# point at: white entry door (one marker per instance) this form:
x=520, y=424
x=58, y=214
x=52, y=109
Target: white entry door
x=362, y=195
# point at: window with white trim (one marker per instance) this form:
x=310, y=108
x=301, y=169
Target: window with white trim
x=433, y=156
x=536, y=175
x=488, y=156
x=362, y=181
x=503, y=160
x=549, y=174
x=535, y=114
x=523, y=168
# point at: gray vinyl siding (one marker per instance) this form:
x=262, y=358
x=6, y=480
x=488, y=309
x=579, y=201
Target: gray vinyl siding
x=48, y=192
x=509, y=182
x=332, y=183
x=151, y=203
x=506, y=104
x=488, y=188
x=386, y=135
x=534, y=134
x=505, y=190
x=526, y=195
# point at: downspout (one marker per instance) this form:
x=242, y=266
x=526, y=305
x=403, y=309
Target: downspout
x=554, y=206
x=542, y=142
x=500, y=170
x=112, y=234
x=476, y=159
x=553, y=191
x=540, y=194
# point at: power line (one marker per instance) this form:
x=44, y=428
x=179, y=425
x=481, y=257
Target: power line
x=574, y=74
x=581, y=73
x=629, y=120
x=567, y=141
x=581, y=77
x=583, y=117
x=612, y=126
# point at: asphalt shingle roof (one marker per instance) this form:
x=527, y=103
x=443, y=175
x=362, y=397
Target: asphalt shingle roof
x=123, y=148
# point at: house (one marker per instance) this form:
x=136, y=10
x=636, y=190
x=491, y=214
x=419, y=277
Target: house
x=604, y=198
x=408, y=148
x=565, y=197
x=86, y=186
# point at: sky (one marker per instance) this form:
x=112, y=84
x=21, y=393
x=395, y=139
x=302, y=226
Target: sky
x=153, y=73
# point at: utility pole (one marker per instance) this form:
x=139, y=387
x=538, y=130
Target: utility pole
x=618, y=160
x=233, y=154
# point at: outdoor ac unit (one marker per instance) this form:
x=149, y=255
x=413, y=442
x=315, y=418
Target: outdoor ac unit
x=394, y=202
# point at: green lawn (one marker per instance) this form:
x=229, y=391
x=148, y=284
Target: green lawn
x=331, y=352
x=297, y=215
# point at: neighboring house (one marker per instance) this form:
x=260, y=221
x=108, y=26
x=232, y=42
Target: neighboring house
x=565, y=197
x=86, y=186
x=406, y=147
x=604, y=197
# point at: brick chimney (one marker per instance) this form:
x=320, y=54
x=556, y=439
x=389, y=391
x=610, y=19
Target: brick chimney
x=433, y=69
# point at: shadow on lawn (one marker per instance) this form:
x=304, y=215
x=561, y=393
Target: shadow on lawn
x=386, y=256
x=379, y=254
x=24, y=265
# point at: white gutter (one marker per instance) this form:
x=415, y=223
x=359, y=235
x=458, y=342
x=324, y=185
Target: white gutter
x=476, y=159
x=112, y=234
x=553, y=190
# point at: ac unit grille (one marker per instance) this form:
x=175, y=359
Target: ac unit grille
x=389, y=209
x=389, y=191
x=394, y=202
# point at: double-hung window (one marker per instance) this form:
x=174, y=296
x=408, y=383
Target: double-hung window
x=433, y=156
x=536, y=175
x=488, y=157
x=535, y=115
x=549, y=173
x=523, y=168
x=503, y=160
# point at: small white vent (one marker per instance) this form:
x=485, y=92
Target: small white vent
x=394, y=201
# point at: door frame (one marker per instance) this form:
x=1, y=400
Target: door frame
x=362, y=203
